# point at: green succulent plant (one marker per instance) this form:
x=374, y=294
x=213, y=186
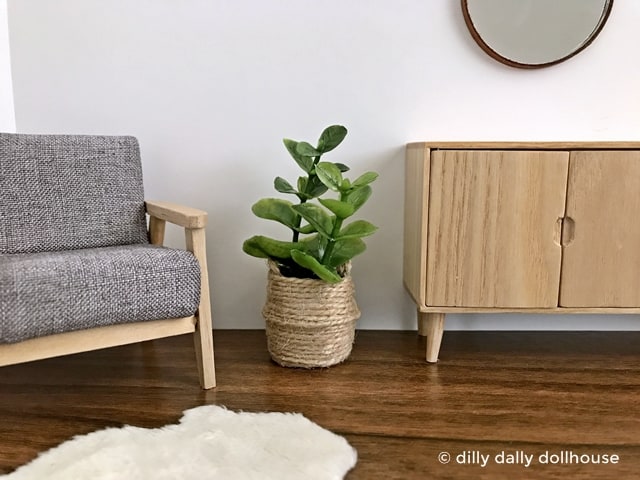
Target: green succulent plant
x=321, y=242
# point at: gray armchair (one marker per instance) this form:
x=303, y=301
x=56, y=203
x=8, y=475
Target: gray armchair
x=79, y=268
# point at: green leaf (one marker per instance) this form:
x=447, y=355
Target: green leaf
x=344, y=250
x=358, y=197
x=276, y=209
x=359, y=228
x=330, y=175
x=282, y=186
x=331, y=137
x=307, y=229
x=317, y=188
x=316, y=216
x=265, y=247
x=315, y=245
x=307, y=150
x=340, y=209
x=343, y=168
x=304, y=162
x=364, y=179
x=302, y=184
x=307, y=261
x=251, y=247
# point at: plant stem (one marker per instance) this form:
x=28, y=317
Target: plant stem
x=334, y=233
x=296, y=233
x=331, y=242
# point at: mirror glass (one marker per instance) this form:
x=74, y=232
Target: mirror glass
x=534, y=33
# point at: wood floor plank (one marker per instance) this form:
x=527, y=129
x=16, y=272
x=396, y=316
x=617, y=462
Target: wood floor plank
x=491, y=392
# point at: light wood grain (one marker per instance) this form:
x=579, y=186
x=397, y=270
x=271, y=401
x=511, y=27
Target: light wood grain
x=194, y=221
x=180, y=215
x=432, y=326
x=203, y=338
x=92, y=339
x=483, y=216
x=156, y=230
x=416, y=193
x=601, y=265
x=554, y=310
x=492, y=217
x=423, y=324
x=524, y=145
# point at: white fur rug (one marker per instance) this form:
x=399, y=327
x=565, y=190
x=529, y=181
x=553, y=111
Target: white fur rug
x=210, y=442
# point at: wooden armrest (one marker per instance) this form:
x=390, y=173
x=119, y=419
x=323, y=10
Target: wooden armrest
x=177, y=214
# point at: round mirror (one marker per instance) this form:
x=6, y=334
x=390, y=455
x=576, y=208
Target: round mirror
x=534, y=33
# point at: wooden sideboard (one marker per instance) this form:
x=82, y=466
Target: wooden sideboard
x=529, y=227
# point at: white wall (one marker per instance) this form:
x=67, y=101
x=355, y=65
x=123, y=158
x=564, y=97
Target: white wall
x=211, y=88
x=7, y=117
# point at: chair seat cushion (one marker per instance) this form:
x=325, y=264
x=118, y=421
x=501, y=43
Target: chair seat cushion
x=46, y=293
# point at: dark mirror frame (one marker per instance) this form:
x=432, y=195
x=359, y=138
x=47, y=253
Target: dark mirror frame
x=512, y=63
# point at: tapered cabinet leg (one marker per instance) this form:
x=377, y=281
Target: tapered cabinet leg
x=431, y=325
x=422, y=324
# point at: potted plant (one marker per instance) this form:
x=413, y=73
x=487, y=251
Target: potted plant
x=310, y=311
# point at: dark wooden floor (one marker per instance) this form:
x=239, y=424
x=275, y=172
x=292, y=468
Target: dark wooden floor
x=491, y=393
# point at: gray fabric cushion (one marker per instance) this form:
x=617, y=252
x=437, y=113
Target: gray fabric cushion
x=46, y=293
x=61, y=192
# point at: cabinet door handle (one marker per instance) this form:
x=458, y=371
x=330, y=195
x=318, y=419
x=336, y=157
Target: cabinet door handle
x=568, y=231
x=557, y=232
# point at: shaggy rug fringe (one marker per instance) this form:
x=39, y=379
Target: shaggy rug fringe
x=209, y=442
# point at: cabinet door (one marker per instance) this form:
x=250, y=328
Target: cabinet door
x=601, y=256
x=494, y=228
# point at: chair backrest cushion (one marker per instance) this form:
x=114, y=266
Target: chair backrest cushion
x=65, y=192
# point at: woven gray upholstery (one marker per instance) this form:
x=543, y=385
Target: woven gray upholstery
x=62, y=192
x=46, y=293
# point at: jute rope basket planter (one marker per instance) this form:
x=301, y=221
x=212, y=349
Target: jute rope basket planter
x=309, y=323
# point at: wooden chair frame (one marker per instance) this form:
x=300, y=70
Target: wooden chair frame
x=194, y=222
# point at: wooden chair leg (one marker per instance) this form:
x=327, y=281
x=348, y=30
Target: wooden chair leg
x=156, y=231
x=203, y=337
x=431, y=325
x=203, y=340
